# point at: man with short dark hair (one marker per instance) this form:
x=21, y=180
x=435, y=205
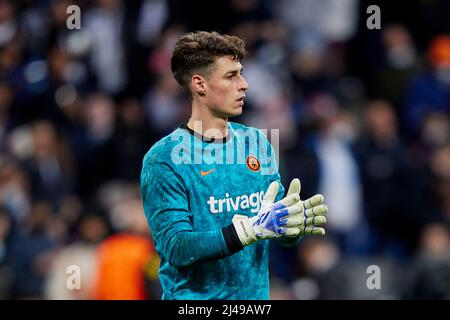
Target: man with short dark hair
x=211, y=189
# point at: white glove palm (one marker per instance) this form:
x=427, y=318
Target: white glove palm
x=274, y=219
x=313, y=216
x=286, y=217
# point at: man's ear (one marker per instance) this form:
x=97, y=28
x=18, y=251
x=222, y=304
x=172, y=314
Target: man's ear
x=198, y=84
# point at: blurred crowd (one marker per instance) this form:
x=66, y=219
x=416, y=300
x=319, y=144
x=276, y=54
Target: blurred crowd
x=363, y=118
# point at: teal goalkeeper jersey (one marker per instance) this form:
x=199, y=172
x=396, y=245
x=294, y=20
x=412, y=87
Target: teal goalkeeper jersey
x=191, y=190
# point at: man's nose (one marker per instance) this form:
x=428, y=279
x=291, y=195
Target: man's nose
x=243, y=85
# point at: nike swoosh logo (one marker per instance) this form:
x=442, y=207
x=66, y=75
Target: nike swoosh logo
x=204, y=173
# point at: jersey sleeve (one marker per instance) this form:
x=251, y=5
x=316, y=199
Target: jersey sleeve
x=275, y=176
x=166, y=208
x=269, y=163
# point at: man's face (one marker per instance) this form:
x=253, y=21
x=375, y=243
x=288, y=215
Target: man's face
x=225, y=88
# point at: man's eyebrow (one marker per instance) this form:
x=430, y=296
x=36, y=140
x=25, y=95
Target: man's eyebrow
x=235, y=71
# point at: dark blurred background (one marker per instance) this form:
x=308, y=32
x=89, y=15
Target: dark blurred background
x=363, y=118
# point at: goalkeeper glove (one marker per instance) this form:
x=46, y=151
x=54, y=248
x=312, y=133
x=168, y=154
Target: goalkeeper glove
x=286, y=217
x=312, y=217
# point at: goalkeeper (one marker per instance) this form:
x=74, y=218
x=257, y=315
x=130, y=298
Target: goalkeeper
x=211, y=189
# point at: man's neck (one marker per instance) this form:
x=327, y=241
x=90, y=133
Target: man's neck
x=207, y=124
